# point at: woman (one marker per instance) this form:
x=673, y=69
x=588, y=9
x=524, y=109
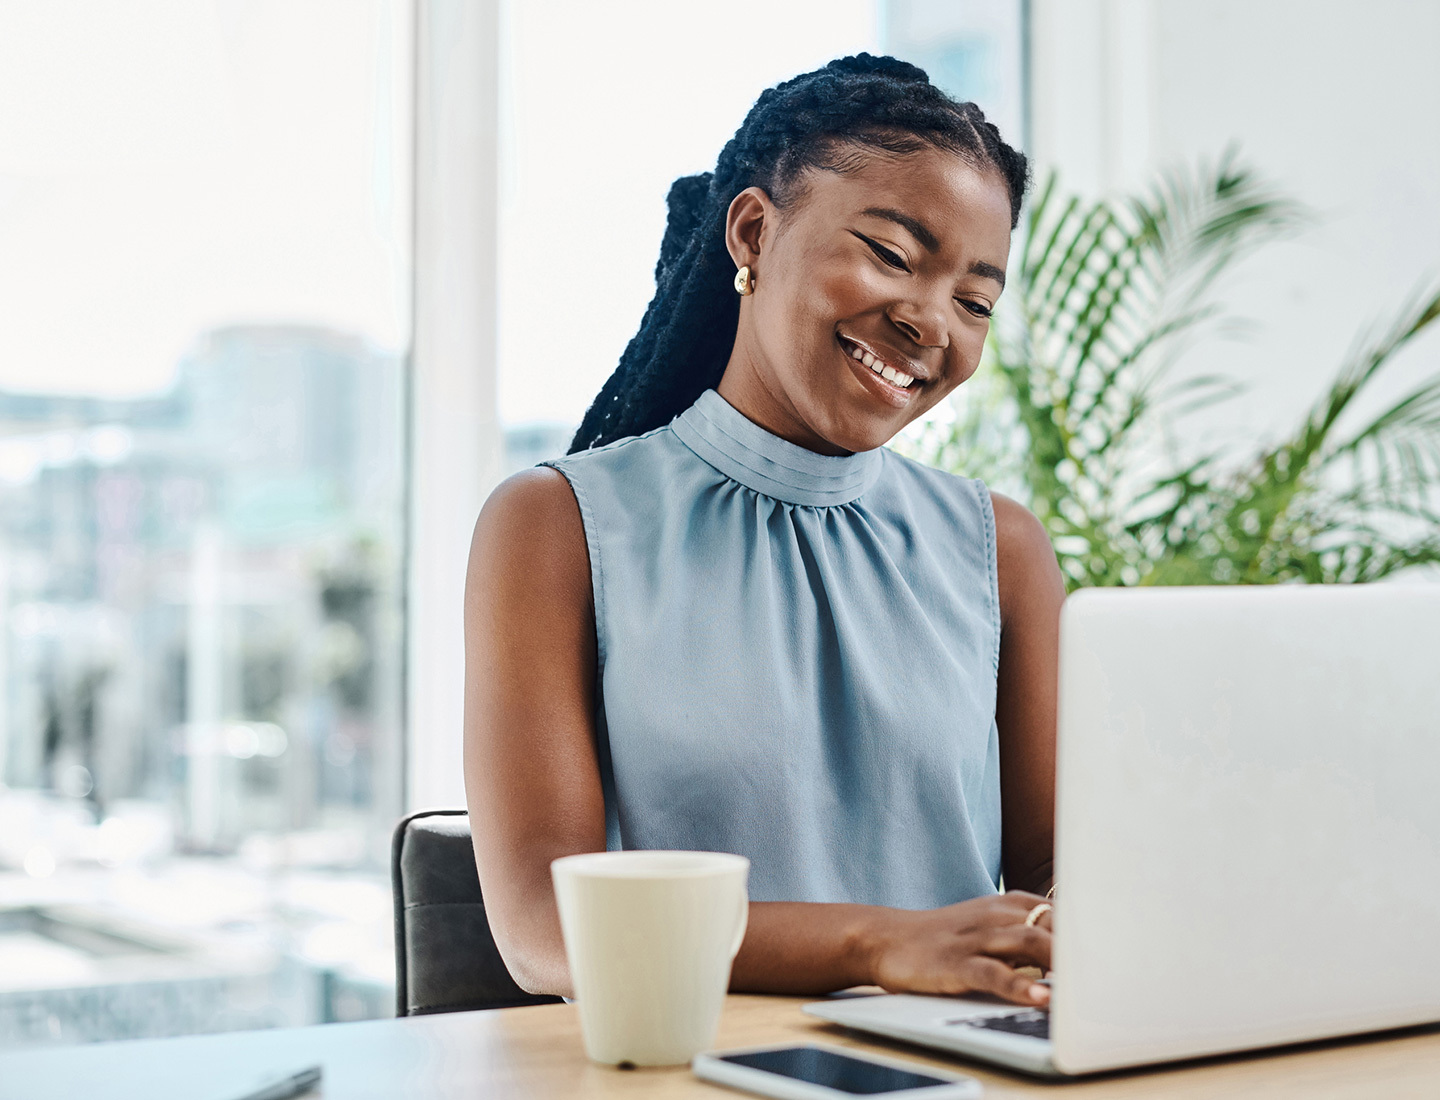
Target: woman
x=729, y=620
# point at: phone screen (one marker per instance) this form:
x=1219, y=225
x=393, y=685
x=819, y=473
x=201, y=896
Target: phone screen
x=836, y=1071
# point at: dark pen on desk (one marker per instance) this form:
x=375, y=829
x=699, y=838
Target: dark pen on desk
x=283, y=1088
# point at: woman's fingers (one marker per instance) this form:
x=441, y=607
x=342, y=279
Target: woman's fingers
x=973, y=946
x=1019, y=903
x=1016, y=944
x=1022, y=899
x=1009, y=908
x=986, y=975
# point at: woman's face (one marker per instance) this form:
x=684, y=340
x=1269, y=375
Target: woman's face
x=899, y=261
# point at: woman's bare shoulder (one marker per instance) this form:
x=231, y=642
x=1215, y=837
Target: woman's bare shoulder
x=1017, y=529
x=530, y=533
x=535, y=499
x=1025, y=558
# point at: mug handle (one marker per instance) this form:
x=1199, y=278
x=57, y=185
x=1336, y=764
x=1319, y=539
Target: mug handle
x=742, y=924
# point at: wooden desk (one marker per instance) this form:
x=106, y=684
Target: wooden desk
x=536, y=1052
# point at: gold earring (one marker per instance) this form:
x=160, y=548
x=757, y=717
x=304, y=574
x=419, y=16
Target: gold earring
x=744, y=282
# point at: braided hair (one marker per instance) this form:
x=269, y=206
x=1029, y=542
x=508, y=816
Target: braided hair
x=821, y=119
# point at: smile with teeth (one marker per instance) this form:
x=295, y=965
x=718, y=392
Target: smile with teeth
x=884, y=370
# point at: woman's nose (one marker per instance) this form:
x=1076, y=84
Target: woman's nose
x=923, y=323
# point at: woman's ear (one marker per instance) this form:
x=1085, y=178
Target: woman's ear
x=745, y=224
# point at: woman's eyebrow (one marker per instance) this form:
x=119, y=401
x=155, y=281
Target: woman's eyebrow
x=988, y=271
x=931, y=243
x=917, y=229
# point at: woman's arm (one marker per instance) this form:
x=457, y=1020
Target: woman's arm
x=1031, y=592
x=532, y=781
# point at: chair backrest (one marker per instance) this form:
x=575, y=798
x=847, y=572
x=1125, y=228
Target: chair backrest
x=445, y=957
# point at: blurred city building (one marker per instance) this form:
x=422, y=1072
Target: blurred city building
x=205, y=267
x=202, y=687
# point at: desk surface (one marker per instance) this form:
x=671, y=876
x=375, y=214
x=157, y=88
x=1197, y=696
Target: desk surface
x=536, y=1052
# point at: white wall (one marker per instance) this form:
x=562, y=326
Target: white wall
x=1334, y=100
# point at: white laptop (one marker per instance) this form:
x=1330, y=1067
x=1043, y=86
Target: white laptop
x=1247, y=832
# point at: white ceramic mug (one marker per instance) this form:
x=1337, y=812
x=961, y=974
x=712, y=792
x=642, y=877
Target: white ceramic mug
x=650, y=937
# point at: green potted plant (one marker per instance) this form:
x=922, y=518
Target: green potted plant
x=1073, y=408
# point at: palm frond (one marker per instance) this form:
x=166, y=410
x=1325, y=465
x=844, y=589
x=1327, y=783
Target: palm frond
x=1400, y=446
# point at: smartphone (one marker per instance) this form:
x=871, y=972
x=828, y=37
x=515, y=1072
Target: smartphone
x=824, y=1073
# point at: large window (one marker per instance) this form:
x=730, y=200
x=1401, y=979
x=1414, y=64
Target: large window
x=204, y=273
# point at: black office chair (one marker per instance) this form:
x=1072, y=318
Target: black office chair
x=445, y=957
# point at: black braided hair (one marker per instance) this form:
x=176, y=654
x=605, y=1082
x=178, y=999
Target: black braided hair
x=820, y=119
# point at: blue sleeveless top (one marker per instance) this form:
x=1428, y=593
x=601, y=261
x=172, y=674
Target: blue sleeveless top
x=797, y=660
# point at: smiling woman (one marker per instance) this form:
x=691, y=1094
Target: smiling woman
x=731, y=620
x=899, y=258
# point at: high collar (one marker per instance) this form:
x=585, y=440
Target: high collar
x=742, y=450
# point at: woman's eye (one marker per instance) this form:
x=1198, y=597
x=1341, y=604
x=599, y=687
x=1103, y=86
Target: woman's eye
x=978, y=309
x=886, y=256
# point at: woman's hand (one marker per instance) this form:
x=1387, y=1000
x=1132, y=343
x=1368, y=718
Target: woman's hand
x=972, y=947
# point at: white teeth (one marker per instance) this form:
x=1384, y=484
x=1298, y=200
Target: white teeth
x=890, y=374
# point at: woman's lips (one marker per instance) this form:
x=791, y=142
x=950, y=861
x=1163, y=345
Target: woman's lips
x=893, y=386
x=868, y=357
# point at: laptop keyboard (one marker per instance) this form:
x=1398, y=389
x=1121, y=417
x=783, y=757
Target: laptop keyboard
x=1029, y=1022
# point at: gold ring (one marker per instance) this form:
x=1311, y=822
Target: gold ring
x=1038, y=912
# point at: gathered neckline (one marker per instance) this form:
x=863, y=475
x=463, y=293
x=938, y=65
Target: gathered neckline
x=760, y=460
